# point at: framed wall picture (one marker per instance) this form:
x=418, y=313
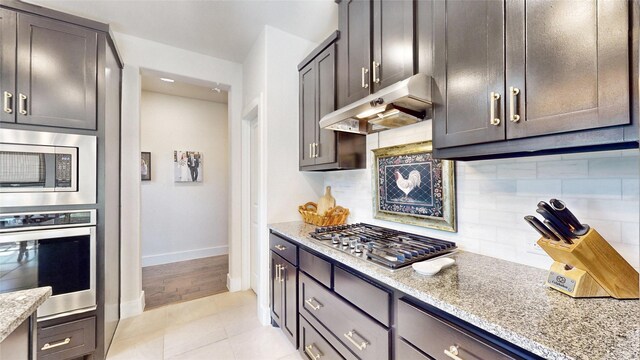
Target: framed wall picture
x=145, y=166
x=411, y=187
x=187, y=166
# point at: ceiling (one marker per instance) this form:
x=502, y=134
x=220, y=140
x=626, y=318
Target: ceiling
x=152, y=82
x=224, y=29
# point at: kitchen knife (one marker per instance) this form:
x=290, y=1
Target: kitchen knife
x=567, y=217
x=540, y=228
x=557, y=232
x=563, y=229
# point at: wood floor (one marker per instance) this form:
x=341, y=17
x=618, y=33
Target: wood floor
x=186, y=280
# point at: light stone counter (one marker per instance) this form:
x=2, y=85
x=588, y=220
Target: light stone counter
x=16, y=307
x=508, y=300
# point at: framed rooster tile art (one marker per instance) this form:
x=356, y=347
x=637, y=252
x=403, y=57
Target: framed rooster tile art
x=411, y=187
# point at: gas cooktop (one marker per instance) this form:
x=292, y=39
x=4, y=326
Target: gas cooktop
x=389, y=248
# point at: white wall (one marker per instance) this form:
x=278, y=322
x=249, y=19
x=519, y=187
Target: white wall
x=493, y=196
x=184, y=65
x=271, y=75
x=182, y=221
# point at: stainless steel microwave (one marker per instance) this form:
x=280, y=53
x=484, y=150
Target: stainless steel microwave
x=42, y=168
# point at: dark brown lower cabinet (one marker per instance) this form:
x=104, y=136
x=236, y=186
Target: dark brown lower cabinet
x=284, y=304
x=67, y=340
x=343, y=314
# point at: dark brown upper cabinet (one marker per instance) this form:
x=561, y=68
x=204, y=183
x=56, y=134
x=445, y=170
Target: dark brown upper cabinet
x=529, y=76
x=54, y=82
x=322, y=149
x=376, y=48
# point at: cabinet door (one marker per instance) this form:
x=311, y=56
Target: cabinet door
x=326, y=94
x=570, y=61
x=468, y=67
x=308, y=113
x=57, y=66
x=354, y=51
x=275, y=288
x=8, y=64
x=289, y=283
x=392, y=42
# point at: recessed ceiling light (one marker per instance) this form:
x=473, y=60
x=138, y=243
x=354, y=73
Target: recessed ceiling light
x=216, y=90
x=167, y=80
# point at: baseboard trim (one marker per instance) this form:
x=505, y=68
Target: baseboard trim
x=264, y=315
x=133, y=307
x=166, y=258
x=234, y=284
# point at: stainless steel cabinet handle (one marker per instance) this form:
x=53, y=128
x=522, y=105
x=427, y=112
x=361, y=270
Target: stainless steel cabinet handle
x=310, y=150
x=493, y=98
x=376, y=72
x=23, y=104
x=317, y=151
x=277, y=273
x=7, y=102
x=309, y=350
x=361, y=346
x=452, y=352
x=48, y=346
x=280, y=247
x=365, y=71
x=282, y=267
x=310, y=301
x=513, y=92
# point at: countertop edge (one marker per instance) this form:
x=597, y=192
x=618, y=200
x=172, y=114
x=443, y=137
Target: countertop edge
x=23, y=303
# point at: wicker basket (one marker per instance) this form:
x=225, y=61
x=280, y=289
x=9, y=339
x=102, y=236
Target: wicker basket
x=334, y=216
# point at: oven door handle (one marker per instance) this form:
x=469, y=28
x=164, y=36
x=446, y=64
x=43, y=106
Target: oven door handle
x=17, y=236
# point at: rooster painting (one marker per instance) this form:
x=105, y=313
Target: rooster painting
x=407, y=185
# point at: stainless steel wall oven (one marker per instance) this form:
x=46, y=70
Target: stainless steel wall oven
x=43, y=168
x=56, y=249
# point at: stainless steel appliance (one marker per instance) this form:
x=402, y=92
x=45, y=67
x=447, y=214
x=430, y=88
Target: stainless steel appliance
x=42, y=168
x=389, y=248
x=56, y=249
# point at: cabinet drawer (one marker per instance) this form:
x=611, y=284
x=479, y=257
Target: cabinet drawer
x=316, y=267
x=313, y=346
x=363, y=336
x=370, y=298
x=283, y=248
x=67, y=340
x=433, y=336
x=404, y=351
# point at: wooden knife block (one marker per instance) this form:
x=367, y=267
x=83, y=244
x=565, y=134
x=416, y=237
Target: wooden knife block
x=595, y=268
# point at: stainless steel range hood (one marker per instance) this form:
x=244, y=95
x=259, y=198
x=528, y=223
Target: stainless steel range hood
x=403, y=103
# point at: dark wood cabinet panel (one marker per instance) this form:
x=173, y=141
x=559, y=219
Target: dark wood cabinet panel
x=275, y=287
x=57, y=70
x=354, y=51
x=308, y=114
x=468, y=68
x=289, y=274
x=393, y=42
x=325, y=94
x=8, y=64
x=569, y=61
x=81, y=335
x=283, y=286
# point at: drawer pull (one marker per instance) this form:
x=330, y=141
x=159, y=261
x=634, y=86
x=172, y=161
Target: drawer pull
x=493, y=109
x=310, y=302
x=452, y=352
x=361, y=346
x=48, y=346
x=309, y=350
x=281, y=247
x=514, y=91
x=23, y=104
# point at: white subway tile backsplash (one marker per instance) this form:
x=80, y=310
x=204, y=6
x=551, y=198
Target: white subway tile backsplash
x=624, y=167
x=593, y=188
x=630, y=189
x=630, y=233
x=493, y=196
x=524, y=170
x=539, y=188
x=563, y=169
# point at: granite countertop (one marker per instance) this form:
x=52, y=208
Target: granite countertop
x=16, y=307
x=508, y=300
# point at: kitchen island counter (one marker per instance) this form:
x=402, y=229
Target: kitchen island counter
x=16, y=307
x=508, y=300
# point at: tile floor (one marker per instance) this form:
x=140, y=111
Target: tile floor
x=223, y=326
